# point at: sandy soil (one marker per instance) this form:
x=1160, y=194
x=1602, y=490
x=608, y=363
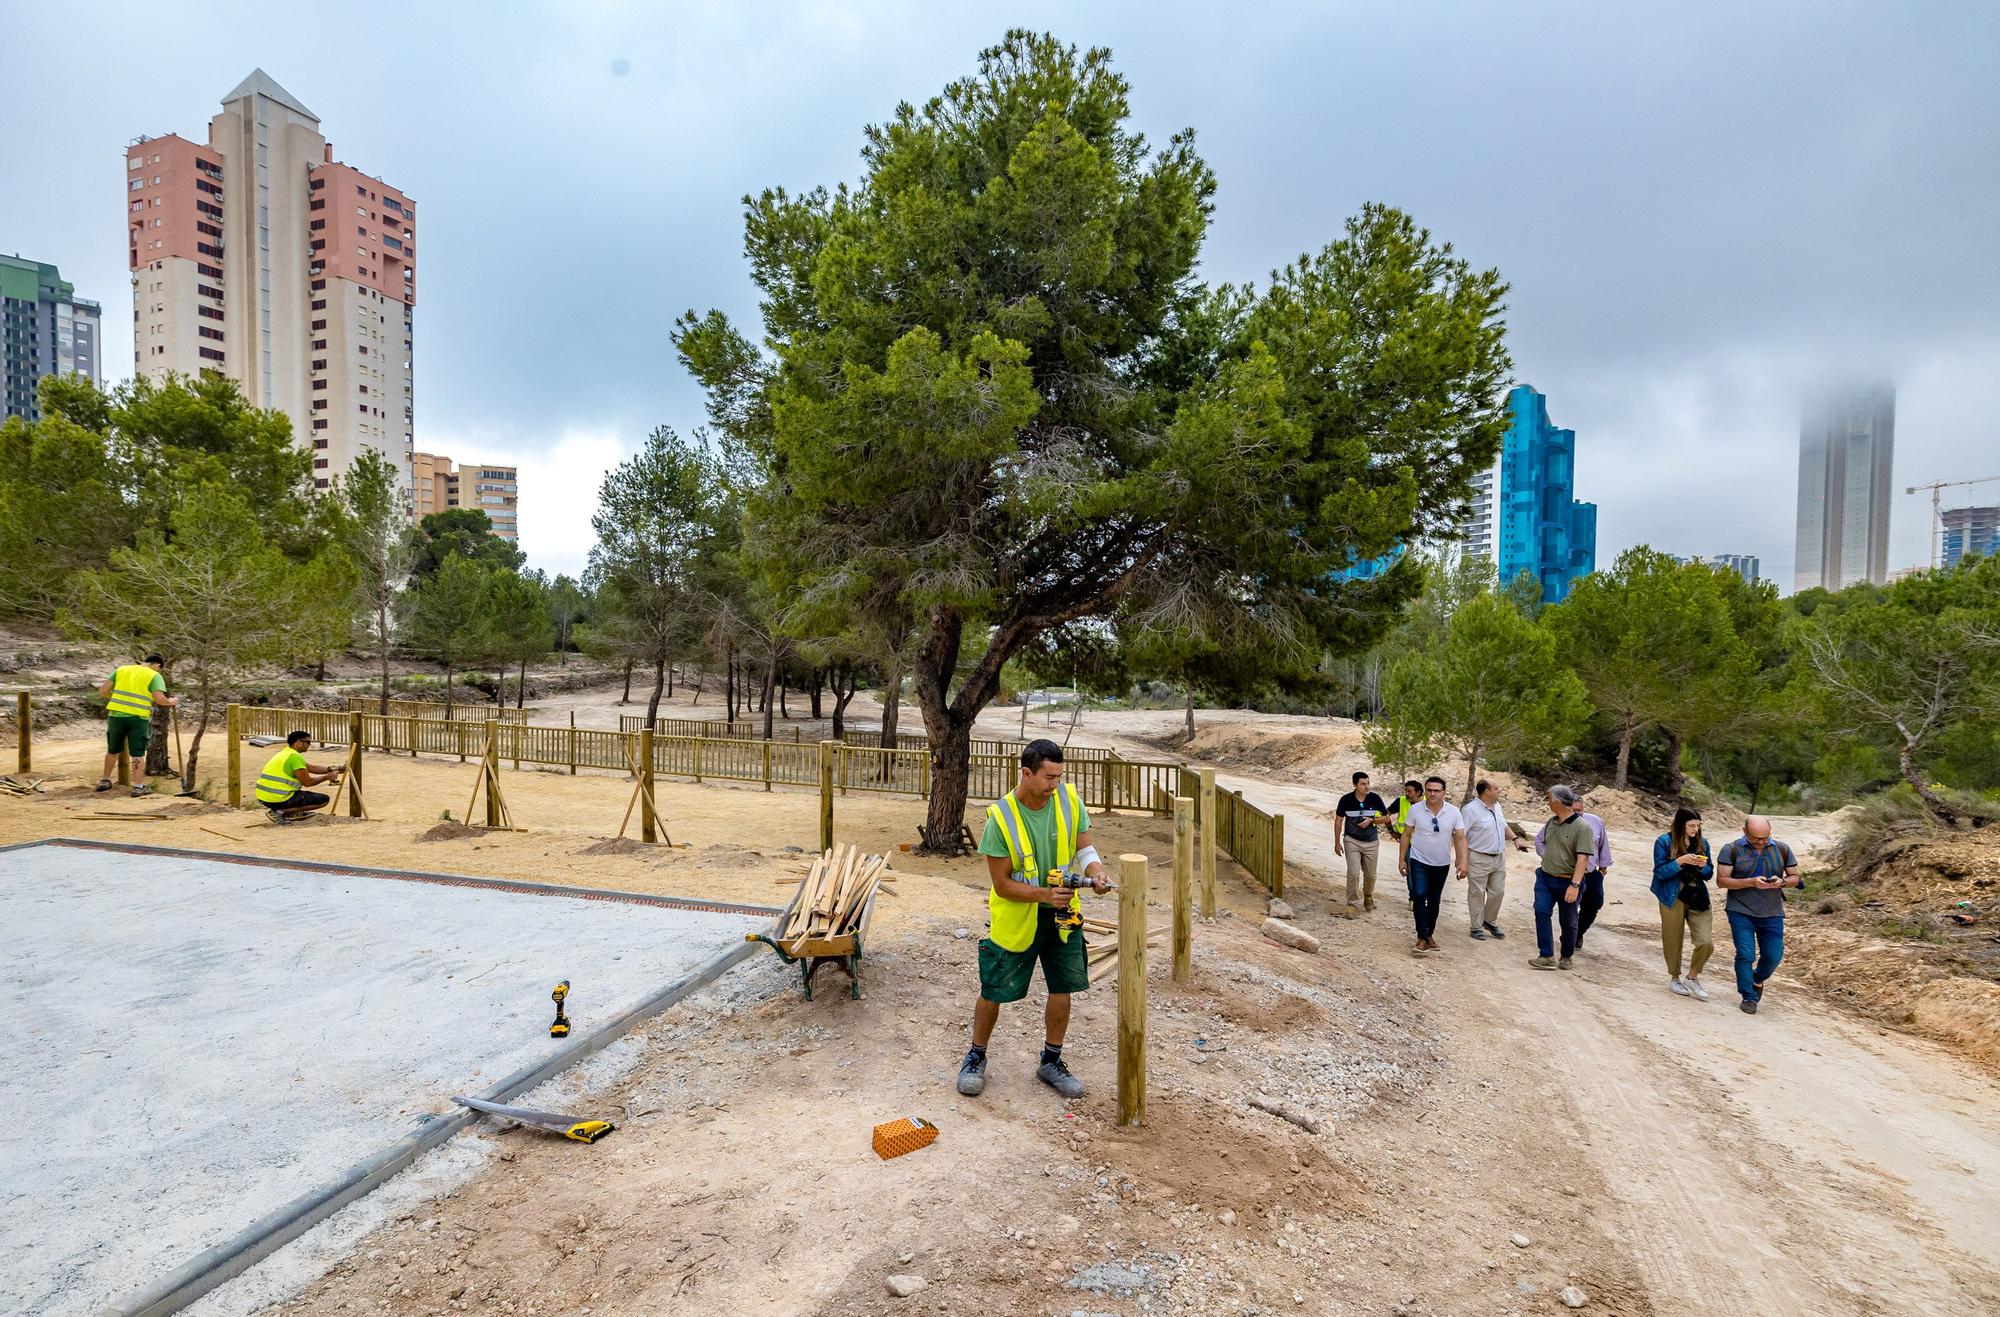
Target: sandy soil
x=1663, y=1155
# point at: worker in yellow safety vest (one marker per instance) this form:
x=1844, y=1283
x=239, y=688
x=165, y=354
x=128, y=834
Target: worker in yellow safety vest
x=1038, y=854
x=130, y=693
x=281, y=785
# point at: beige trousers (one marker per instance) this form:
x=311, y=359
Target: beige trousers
x=1360, y=868
x=1676, y=921
x=1485, y=884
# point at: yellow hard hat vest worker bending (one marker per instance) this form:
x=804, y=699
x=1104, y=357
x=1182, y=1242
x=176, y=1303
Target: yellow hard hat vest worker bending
x=1038, y=853
x=130, y=693
x=282, y=783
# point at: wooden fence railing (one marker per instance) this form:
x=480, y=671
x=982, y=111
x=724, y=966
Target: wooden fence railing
x=474, y=713
x=1104, y=783
x=1248, y=835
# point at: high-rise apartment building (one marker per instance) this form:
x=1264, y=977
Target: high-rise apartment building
x=1479, y=533
x=45, y=329
x=493, y=489
x=1542, y=529
x=1847, y=445
x=1970, y=531
x=260, y=257
x=1745, y=565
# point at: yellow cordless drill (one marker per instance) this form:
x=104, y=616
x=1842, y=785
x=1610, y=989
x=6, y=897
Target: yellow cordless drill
x=1070, y=916
x=560, y=1029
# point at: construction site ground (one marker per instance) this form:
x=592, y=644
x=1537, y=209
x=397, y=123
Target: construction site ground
x=1488, y=1135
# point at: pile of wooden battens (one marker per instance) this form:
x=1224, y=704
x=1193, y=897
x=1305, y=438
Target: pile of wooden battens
x=832, y=897
x=1104, y=782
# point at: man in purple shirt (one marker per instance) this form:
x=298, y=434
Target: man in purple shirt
x=1592, y=899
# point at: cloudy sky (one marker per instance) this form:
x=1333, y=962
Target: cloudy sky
x=1703, y=208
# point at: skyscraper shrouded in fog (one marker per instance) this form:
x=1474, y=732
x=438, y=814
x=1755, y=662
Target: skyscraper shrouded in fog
x=1847, y=449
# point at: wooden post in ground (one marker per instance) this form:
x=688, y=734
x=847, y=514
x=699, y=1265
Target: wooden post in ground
x=1132, y=990
x=22, y=715
x=649, y=826
x=699, y=742
x=572, y=742
x=236, y=756
x=354, y=765
x=1183, y=944
x=514, y=726
x=124, y=768
x=825, y=796
x=767, y=765
x=1207, y=843
x=1277, y=855
x=490, y=761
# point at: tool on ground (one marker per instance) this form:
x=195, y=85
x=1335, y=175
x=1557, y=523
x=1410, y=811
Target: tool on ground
x=570, y=1127
x=560, y=1027
x=900, y=1136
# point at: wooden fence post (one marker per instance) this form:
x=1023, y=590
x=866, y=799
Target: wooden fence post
x=124, y=768
x=826, y=796
x=1183, y=943
x=699, y=742
x=1208, y=821
x=572, y=742
x=1277, y=855
x=491, y=758
x=1132, y=990
x=354, y=735
x=514, y=725
x=23, y=725
x=235, y=754
x=648, y=824
x=767, y=765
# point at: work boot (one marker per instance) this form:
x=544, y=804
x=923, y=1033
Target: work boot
x=1493, y=930
x=1542, y=962
x=1478, y=935
x=142, y=790
x=1563, y=963
x=1749, y=1007
x=1368, y=903
x=103, y=784
x=972, y=1075
x=1057, y=1076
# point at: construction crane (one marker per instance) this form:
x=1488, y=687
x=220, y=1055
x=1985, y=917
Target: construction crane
x=1936, y=516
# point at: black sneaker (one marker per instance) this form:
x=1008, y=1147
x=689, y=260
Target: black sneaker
x=279, y=816
x=103, y=784
x=1478, y=935
x=1057, y=1076
x=1493, y=930
x=972, y=1075
x=1749, y=1007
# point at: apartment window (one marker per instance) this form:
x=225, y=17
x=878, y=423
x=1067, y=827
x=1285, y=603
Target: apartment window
x=138, y=206
x=318, y=244
x=319, y=345
x=320, y=463
x=362, y=408
x=360, y=191
x=364, y=350
x=361, y=272
x=204, y=185
x=319, y=482
x=213, y=212
x=209, y=229
x=210, y=354
x=136, y=162
x=318, y=205
x=319, y=324
x=316, y=226
x=319, y=285
x=206, y=291
x=319, y=404
x=137, y=183
x=206, y=332
x=319, y=384
x=208, y=270
x=319, y=304
x=318, y=183
x=208, y=249
x=319, y=425
x=362, y=387
x=211, y=312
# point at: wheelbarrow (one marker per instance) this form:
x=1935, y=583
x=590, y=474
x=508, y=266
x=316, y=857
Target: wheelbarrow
x=810, y=954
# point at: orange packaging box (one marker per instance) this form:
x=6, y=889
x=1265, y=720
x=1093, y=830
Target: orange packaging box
x=901, y=1136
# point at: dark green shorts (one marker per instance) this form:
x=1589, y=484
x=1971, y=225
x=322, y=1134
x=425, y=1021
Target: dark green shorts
x=122, y=732
x=1004, y=975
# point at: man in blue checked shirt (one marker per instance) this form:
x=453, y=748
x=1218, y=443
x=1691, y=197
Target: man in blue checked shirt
x=1755, y=870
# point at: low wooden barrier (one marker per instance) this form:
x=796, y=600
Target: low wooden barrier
x=1251, y=837
x=474, y=713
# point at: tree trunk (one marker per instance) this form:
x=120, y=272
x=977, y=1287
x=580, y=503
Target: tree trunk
x=951, y=771
x=770, y=677
x=626, y=698
x=841, y=695
x=1472, y=774
x=659, y=686
x=447, y=692
x=1624, y=754
x=521, y=687
x=157, y=764
x=783, y=711
x=320, y=673
x=819, y=685
x=892, y=703
x=729, y=684
x=670, y=681
x=193, y=755
x=1190, y=714
x=700, y=677
x=1676, y=779
x=382, y=635
x=1906, y=759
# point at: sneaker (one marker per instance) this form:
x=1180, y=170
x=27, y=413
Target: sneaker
x=142, y=790
x=1695, y=990
x=1494, y=930
x=279, y=816
x=1057, y=1076
x=1478, y=935
x=1542, y=962
x=1749, y=1007
x=1679, y=989
x=1563, y=963
x=1368, y=903
x=972, y=1075
x=103, y=784
x=1349, y=911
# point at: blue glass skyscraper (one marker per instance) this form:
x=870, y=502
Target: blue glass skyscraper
x=1543, y=530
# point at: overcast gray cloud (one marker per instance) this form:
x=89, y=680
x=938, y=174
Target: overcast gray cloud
x=1702, y=208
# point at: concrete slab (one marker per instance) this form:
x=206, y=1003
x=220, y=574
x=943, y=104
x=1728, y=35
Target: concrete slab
x=195, y=1041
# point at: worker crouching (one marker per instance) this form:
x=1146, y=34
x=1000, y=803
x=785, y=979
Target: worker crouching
x=281, y=786
x=1038, y=856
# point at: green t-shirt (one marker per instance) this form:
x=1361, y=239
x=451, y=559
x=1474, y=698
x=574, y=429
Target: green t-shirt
x=294, y=761
x=1041, y=828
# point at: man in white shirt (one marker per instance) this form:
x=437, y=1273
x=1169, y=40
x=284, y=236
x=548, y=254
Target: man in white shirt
x=1433, y=841
x=1486, y=837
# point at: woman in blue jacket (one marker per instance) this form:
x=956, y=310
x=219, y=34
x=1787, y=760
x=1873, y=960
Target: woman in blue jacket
x=1681, y=870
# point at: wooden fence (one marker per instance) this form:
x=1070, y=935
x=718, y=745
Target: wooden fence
x=866, y=738
x=1248, y=835
x=461, y=711
x=1104, y=783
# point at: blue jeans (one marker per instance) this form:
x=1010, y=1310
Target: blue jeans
x=1588, y=902
x=1426, y=891
x=1549, y=891
x=1760, y=945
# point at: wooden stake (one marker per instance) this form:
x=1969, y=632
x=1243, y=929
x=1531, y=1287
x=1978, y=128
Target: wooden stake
x=649, y=826
x=22, y=724
x=235, y=756
x=826, y=749
x=1207, y=842
x=353, y=774
x=491, y=762
x=1132, y=990
x=1183, y=952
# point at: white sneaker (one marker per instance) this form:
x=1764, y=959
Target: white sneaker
x=1695, y=990
x=1679, y=988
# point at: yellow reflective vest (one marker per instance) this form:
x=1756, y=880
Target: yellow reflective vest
x=131, y=692
x=275, y=782
x=1013, y=922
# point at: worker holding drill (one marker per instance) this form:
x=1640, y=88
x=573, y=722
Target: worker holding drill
x=130, y=693
x=281, y=786
x=1038, y=855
